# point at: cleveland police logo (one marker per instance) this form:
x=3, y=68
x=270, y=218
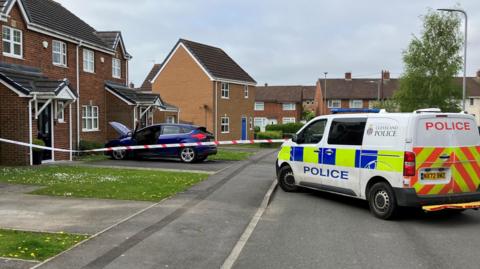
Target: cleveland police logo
x=370, y=130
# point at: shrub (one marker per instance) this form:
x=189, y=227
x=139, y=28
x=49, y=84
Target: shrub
x=269, y=135
x=88, y=145
x=38, y=142
x=289, y=128
x=257, y=129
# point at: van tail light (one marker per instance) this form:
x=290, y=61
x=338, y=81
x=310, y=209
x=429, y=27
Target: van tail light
x=199, y=136
x=409, y=165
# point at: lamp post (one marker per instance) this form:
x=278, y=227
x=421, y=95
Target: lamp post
x=325, y=91
x=464, y=52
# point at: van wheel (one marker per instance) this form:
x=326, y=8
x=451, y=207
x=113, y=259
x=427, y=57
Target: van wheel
x=286, y=180
x=381, y=200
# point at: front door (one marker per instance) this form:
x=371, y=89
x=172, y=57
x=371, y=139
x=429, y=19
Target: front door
x=44, y=125
x=244, y=128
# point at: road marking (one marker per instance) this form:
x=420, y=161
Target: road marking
x=237, y=249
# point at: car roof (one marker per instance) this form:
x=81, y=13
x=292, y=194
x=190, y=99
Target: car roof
x=171, y=124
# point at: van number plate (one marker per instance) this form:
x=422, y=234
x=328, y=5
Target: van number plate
x=433, y=175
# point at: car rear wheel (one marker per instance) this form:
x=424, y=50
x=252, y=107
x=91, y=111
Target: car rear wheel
x=187, y=155
x=286, y=180
x=382, y=201
x=119, y=154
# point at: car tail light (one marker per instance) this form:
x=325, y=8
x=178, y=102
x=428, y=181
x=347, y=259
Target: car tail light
x=409, y=165
x=199, y=136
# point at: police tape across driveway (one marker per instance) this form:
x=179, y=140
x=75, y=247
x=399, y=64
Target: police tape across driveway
x=156, y=146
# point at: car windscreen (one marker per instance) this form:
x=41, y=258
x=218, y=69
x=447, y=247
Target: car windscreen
x=446, y=131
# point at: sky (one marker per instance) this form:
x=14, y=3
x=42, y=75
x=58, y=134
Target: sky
x=279, y=42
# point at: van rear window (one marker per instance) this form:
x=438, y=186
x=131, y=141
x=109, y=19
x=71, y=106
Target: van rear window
x=347, y=131
x=446, y=132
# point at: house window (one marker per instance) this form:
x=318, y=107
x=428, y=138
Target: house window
x=12, y=42
x=225, y=90
x=59, y=53
x=225, y=125
x=88, y=61
x=288, y=106
x=288, y=120
x=251, y=123
x=259, y=106
x=170, y=119
x=356, y=104
x=245, y=91
x=90, y=118
x=472, y=101
x=116, y=68
x=146, y=117
x=61, y=111
x=334, y=103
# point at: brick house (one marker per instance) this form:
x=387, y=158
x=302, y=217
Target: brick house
x=53, y=74
x=282, y=104
x=208, y=87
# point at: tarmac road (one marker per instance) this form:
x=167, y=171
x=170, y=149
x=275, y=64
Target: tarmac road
x=320, y=230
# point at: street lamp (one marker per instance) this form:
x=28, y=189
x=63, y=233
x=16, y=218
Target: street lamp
x=464, y=52
x=378, y=87
x=325, y=90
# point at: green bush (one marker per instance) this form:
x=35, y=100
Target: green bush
x=88, y=145
x=269, y=135
x=257, y=129
x=38, y=142
x=289, y=128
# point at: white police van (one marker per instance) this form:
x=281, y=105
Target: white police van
x=414, y=159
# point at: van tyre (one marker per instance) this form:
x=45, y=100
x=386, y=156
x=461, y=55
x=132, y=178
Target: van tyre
x=286, y=180
x=382, y=201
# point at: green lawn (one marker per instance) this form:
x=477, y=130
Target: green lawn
x=108, y=183
x=35, y=246
x=92, y=157
x=230, y=155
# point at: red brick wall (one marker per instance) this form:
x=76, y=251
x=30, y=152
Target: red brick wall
x=91, y=85
x=119, y=111
x=13, y=126
x=275, y=111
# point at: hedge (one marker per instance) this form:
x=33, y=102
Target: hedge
x=289, y=128
x=88, y=145
x=269, y=135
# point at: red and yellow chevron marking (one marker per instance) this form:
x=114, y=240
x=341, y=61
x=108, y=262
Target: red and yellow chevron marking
x=464, y=164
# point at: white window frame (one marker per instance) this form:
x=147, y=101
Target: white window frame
x=12, y=42
x=170, y=119
x=286, y=120
x=116, y=68
x=356, y=101
x=60, y=111
x=259, y=106
x=62, y=53
x=288, y=107
x=88, y=61
x=86, y=117
x=225, y=90
x=225, y=124
x=335, y=103
x=245, y=91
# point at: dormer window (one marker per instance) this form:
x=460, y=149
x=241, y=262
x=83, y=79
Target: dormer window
x=12, y=42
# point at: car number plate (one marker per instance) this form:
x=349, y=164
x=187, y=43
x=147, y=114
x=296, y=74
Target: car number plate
x=434, y=175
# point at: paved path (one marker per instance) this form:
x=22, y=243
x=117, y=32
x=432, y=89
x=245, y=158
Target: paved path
x=195, y=229
x=319, y=230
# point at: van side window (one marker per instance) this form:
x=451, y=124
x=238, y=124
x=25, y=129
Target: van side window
x=313, y=133
x=347, y=131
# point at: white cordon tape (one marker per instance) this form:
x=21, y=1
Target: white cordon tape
x=157, y=146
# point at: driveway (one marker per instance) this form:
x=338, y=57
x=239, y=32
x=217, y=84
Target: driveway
x=174, y=165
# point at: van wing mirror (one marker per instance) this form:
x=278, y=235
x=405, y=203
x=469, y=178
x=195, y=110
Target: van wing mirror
x=297, y=138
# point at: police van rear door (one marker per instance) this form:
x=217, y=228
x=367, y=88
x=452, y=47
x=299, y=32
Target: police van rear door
x=447, y=154
x=339, y=154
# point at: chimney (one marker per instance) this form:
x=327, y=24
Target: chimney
x=131, y=85
x=266, y=84
x=386, y=75
x=348, y=76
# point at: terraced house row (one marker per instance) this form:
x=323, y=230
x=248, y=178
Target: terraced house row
x=62, y=81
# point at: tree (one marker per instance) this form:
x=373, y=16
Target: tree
x=307, y=115
x=431, y=64
x=388, y=104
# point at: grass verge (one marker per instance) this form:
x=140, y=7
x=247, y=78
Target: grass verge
x=92, y=157
x=106, y=183
x=230, y=155
x=35, y=246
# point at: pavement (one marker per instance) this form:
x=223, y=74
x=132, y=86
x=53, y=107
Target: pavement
x=194, y=229
x=319, y=230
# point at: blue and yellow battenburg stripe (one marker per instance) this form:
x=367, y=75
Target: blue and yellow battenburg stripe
x=383, y=160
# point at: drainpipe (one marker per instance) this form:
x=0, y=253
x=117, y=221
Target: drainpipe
x=70, y=129
x=216, y=110
x=78, y=97
x=30, y=138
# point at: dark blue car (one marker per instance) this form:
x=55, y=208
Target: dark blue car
x=163, y=134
